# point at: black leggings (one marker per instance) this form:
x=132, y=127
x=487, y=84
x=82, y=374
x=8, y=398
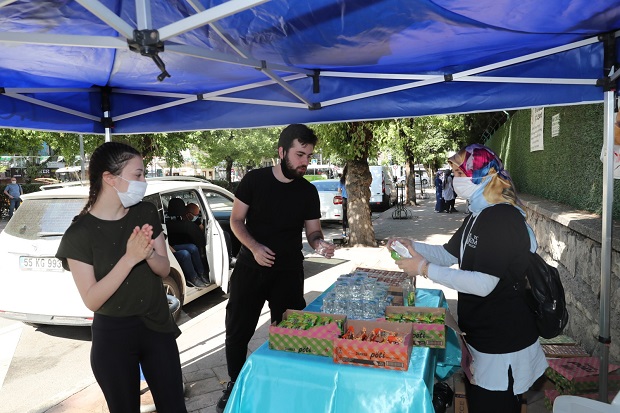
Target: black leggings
x=120, y=345
x=481, y=400
x=249, y=288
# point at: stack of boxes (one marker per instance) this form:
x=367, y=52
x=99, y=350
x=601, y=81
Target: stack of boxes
x=578, y=376
x=371, y=343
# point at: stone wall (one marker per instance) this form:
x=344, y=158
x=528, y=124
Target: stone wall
x=572, y=239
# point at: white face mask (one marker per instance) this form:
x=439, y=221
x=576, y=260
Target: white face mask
x=464, y=187
x=135, y=192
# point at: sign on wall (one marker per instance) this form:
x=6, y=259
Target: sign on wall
x=555, y=125
x=536, y=134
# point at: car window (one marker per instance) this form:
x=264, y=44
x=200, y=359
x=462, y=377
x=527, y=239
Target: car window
x=155, y=200
x=188, y=196
x=38, y=218
x=325, y=186
x=218, y=201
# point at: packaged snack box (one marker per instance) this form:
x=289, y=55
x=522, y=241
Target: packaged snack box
x=392, y=353
x=580, y=375
x=316, y=340
x=428, y=324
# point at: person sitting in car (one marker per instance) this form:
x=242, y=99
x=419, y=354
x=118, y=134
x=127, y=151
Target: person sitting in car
x=185, y=235
x=192, y=213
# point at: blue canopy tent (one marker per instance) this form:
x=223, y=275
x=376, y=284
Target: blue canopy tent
x=138, y=66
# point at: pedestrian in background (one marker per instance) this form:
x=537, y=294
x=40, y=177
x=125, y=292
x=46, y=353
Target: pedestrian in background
x=448, y=192
x=117, y=254
x=14, y=191
x=270, y=263
x=492, y=249
x=342, y=191
x=439, y=202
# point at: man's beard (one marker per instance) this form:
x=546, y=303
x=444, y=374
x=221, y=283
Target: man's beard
x=287, y=169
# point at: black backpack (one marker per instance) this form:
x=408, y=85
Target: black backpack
x=544, y=294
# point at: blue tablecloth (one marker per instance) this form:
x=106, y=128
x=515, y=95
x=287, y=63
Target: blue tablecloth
x=279, y=381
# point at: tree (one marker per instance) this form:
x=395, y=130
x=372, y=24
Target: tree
x=20, y=141
x=354, y=143
x=424, y=140
x=244, y=147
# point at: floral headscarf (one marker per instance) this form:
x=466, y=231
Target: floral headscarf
x=487, y=171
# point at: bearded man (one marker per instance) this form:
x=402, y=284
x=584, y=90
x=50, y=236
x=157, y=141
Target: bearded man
x=272, y=205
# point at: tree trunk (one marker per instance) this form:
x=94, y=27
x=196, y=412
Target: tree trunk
x=358, y=183
x=411, y=193
x=229, y=165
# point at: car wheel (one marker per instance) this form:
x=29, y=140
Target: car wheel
x=171, y=287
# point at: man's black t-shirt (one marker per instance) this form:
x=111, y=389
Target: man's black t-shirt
x=498, y=244
x=276, y=215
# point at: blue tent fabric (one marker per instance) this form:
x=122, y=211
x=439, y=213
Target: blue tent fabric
x=341, y=60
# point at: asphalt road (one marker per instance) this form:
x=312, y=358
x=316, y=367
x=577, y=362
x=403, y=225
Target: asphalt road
x=41, y=365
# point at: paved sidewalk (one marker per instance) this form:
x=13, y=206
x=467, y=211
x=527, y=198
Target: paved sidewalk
x=202, y=343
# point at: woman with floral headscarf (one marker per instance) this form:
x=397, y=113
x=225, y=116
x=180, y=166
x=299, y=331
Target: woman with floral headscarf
x=491, y=249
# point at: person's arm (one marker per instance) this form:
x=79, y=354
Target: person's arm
x=435, y=254
x=158, y=259
x=470, y=282
x=314, y=235
x=263, y=255
x=95, y=293
x=7, y=194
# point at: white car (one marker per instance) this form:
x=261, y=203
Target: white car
x=35, y=287
x=331, y=201
x=423, y=180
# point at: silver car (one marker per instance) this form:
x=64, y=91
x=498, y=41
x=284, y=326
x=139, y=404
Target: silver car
x=331, y=201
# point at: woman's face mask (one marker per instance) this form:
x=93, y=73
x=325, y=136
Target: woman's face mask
x=464, y=187
x=134, y=194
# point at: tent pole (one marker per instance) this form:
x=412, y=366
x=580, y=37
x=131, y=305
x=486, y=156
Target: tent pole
x=106, y=120
x=606, y=243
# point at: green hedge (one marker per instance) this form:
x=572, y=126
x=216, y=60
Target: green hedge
x=569, y=169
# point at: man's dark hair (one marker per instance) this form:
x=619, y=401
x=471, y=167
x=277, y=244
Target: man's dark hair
x=302, y=133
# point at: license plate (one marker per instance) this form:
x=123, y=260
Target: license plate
x=40, y=264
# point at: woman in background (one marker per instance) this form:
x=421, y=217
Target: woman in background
x=439, y=202
x=448, y=194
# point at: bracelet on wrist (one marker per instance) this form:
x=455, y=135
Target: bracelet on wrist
x=423, y=268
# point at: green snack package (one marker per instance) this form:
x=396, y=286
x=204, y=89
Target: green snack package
x=295, y=317
x=324, y=320
x=286, y=324
x=310, y=319
x=411, y=298
x=395, y=255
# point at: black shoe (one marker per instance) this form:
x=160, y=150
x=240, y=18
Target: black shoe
x=442, y=397
x=196, y=282
x=454, y=210
x=205, y=279
x=221, y=403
